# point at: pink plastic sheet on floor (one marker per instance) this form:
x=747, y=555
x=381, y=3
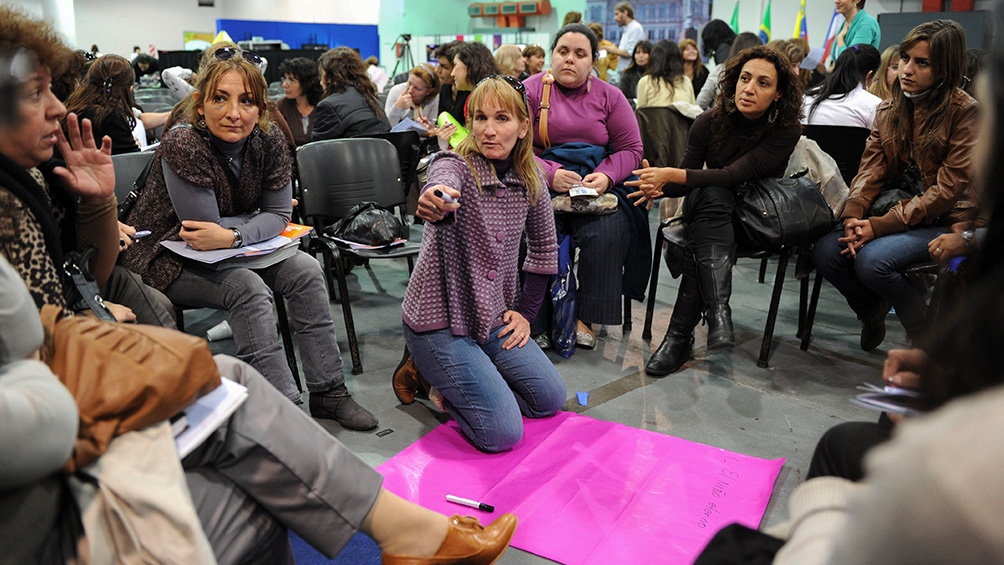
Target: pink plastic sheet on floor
x=589, y=491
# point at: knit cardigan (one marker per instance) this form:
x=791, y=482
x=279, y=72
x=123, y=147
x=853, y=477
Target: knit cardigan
x=467, y=274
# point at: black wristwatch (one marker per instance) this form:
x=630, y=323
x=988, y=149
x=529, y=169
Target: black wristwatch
x=968, y=236
x=238, y=238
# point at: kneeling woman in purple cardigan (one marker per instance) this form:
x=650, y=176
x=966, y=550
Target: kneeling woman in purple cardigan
x=466, y=320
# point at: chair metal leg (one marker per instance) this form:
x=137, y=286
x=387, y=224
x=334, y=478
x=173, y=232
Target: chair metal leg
x=627, y=314
x=763, y=270
x=350, y=326
x=333, y=263
x=803, y=305
x=653, y=284
x=775, y=301
x=810, y=314
x=287, y=339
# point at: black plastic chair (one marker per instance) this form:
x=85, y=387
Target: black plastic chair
x=408, y=145
x=127, y=167
x=670, y=233
x=335, y=175
x=845, y=144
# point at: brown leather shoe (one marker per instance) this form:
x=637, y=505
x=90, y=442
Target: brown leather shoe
x=467, y=542
x=407, y=381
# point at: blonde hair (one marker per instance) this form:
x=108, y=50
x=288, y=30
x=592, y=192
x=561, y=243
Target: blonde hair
x=499, y=91
x=505, y=59
x=879, y=87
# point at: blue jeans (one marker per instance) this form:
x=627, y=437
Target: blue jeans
x=876, y=273
x=248, y=297
x=486, y=388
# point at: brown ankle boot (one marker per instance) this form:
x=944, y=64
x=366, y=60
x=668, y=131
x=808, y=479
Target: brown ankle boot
x=407, y=381
x=467, y=542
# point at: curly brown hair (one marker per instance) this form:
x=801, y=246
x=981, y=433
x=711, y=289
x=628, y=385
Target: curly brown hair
x=18, y=31
x=341, y=68
x=785, y=112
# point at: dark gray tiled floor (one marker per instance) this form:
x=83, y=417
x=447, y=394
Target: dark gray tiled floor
x=722, y=398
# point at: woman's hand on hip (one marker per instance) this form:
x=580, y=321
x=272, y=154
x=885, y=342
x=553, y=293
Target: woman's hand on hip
x=432, y=204
x=88, y=171
x=564, y=180
x=206, y=236
x=517, y=328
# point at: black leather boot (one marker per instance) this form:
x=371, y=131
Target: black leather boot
x=714, y=277
x=678, y=346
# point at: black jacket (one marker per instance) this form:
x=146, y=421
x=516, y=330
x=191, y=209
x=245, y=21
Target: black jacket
x=346, y=114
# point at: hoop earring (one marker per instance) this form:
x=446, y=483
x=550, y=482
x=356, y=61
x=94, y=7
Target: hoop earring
x=772, y=115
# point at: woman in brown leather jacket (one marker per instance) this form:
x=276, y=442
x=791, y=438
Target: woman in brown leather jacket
x=929, y=122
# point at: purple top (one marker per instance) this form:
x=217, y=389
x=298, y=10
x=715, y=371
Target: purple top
x=596, y=113
x=467, y=273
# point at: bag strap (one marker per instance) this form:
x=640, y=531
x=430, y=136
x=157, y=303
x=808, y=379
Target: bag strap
x=545, y=105
x=137, y=186
x=77, y=267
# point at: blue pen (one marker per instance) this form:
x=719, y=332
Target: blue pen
x=141, y=233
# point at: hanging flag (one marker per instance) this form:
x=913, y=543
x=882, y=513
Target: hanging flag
x=765, y=25
x=734, y=24
x=801, y=30
x=831, y=34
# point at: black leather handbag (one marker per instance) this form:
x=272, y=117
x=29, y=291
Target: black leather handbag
x=369, y=224
x=775, y=212
x=904, y=187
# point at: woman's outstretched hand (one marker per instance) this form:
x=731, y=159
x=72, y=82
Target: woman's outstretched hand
x=650, y=182
x=88, y=171
x=517, y=328
x=432, y=204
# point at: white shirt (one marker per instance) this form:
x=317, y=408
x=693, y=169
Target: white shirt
x=857, y=109
x=633, y=33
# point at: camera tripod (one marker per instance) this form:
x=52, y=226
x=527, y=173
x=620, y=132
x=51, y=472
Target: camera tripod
x=404, y=54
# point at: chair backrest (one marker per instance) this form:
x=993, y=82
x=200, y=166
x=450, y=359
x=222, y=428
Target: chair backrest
x=408, y=145
x=337, y=174
x=844, y=143
x=663, y=134
x=128, y=166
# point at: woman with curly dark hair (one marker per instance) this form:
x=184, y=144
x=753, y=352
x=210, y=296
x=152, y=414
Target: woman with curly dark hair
x=301, y=86
x=105, y=97
x=749, y=133
x=351, y=107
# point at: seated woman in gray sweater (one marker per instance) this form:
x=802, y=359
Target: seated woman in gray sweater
x=222, y=179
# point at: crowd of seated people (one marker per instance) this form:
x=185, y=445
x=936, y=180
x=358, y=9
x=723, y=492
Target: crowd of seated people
x=268, y=465
x=582, y=131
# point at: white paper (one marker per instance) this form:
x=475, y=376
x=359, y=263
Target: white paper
x=407, y=124
x=208, y=413
x=812, y=60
